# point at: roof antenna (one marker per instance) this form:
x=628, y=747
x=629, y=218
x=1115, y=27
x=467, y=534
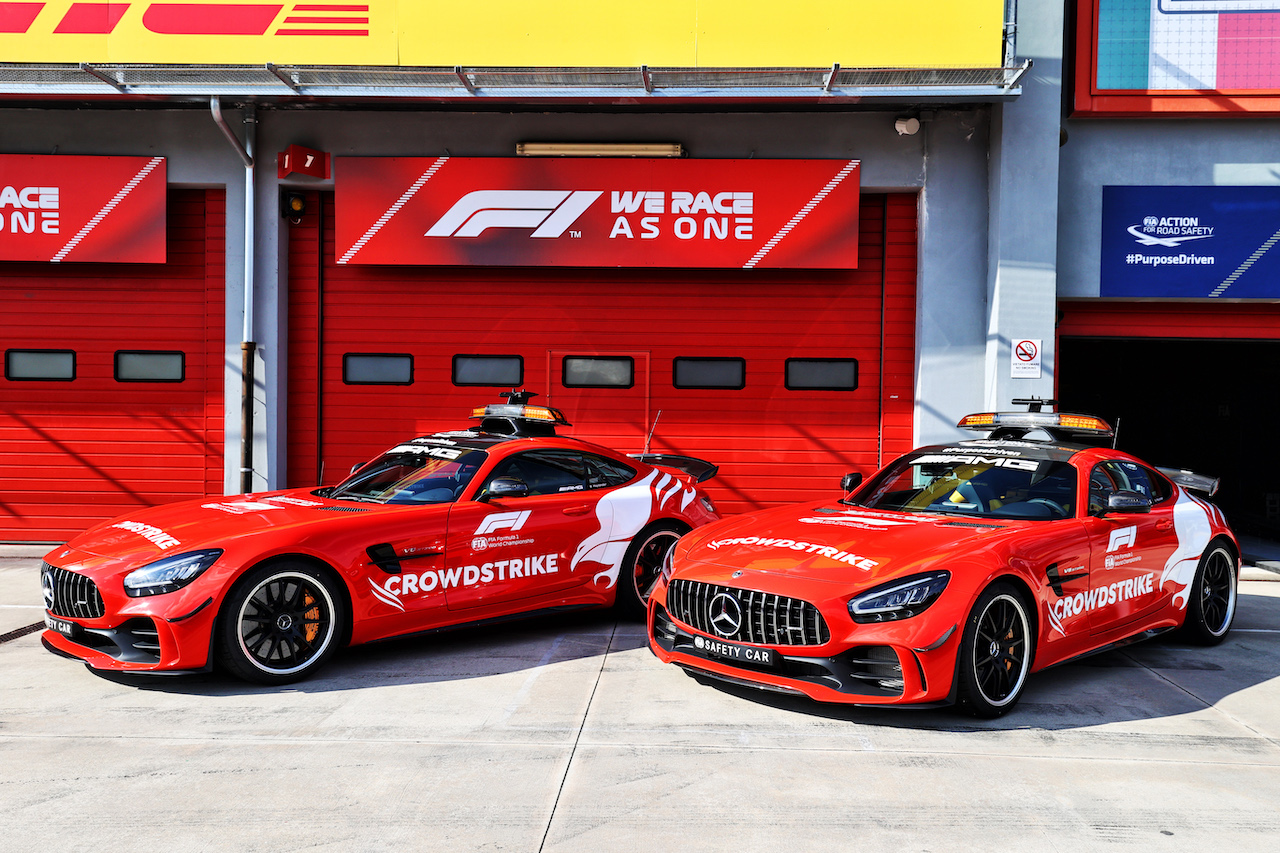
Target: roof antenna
x=1034, y=404
x=1115, y=436
x=518, y=398
x=651, y=429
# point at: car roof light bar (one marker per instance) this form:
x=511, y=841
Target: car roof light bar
x=1017, y=424
x=526, y=413
x=517, y=417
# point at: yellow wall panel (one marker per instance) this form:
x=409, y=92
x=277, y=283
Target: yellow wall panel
x=547, y=33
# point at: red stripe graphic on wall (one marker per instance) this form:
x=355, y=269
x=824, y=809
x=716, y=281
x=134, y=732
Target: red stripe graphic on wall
x=393, y=210
x=804, y=211
x=107, y=208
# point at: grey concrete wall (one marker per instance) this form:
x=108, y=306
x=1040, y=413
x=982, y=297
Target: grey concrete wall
x=1159, y=152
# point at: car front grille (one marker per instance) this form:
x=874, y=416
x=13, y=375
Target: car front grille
x=71, y=595
x=763, y=618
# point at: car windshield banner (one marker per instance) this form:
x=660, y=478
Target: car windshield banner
x=1191, y=242
x=57, y=208
x=597, y=212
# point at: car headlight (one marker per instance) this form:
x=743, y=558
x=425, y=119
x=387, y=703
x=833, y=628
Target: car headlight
x=900, y=599
x=169, y=574
x=668, y=565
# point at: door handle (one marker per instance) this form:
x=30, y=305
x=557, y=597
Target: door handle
x=1164, y=524
x=580, y=509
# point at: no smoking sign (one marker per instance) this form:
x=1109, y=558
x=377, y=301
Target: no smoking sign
x=1025, y=359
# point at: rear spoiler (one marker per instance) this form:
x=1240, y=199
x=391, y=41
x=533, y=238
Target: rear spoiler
x=1191, y=480
x=699, y=469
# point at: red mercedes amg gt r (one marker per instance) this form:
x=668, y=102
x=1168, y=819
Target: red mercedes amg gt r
x=476, y=525
x=953, y=573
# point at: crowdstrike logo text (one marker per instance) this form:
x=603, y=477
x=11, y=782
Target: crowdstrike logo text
x=395, y=587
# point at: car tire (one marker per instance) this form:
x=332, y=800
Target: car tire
x=280, y=623
x=996, y=652
x=642, y=565
x=1211, y=600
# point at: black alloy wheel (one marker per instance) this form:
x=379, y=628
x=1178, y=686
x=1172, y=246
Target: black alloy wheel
x=642, y=566
x=1211, y=600
x=280, y=623
x=996, y=652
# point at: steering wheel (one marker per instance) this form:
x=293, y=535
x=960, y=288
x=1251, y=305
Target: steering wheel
x=1058, y=509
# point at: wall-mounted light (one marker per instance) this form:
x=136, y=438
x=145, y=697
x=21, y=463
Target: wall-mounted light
x=292, y=206
x=907, y=126
x=599, y=149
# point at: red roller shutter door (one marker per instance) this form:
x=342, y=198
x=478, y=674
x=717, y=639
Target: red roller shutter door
x=1227, y=320
x=73, y=453
x=773, y=444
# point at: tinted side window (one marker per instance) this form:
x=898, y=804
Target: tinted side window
x=1101, y=486
x=546, y=472
x=1160, y=489
x=1121, y=475
x=607, y=472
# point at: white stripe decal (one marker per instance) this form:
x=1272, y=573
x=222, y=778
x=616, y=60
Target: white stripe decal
x=804, y=211
x=1244, y=267
x=385, y=597
x=107, y=208
x=394, y=209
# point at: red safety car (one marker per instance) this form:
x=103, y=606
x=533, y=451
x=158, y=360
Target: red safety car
x=953, y=573
x=459, y=527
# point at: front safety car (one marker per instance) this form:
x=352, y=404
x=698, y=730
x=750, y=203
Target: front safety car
x=482, y=524
x=954, y=573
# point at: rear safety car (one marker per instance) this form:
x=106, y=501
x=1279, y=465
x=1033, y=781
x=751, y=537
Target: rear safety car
x=954, y=573
x=484, y=524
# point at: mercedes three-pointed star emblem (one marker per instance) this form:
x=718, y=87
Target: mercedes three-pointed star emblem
x=725, y=614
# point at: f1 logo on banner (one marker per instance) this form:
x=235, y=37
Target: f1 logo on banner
x=598, y=212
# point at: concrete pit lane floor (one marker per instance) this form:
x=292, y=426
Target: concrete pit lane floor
x=568, y=735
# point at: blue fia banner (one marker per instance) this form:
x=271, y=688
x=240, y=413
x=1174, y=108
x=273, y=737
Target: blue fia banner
x=1191, y=242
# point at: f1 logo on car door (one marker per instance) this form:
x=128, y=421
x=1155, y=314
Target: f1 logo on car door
x=517, y=548
x=503, y=521
x=1129, y=549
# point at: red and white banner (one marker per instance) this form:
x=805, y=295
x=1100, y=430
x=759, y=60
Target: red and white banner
x=69, y=208
x=597, y=212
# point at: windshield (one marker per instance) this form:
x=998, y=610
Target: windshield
x=974, y=485
x=412, y=475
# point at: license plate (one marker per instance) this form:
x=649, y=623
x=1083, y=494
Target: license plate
x=735, y=652
x=62, y=626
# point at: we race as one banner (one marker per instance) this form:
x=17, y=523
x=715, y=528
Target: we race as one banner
x=66, y=208
x=597, y=212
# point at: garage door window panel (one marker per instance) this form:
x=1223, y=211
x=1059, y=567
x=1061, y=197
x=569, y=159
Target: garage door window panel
x=580, y=371
x=377, y=368
x=36, y=365
x=709, y=373
x=822, y=374
x=506, y=371
x=150, y=366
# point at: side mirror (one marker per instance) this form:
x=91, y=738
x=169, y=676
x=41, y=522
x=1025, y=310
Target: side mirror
x=851, y=481
x=1127, y=502
x=504, y=487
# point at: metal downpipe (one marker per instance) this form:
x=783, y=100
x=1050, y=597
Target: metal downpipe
x=248, y=347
